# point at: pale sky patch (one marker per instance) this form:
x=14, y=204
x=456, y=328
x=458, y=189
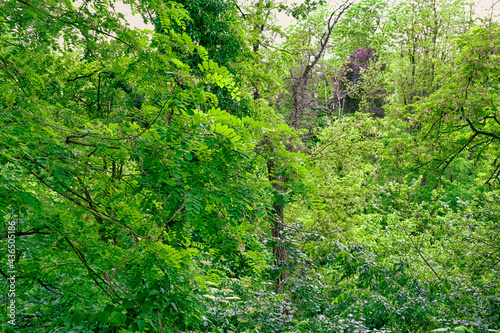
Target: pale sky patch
x=483, y=8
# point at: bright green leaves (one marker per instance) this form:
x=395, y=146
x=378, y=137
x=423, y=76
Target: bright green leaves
x=459, y=123
x=219, y=76
x=168, y=254
x=225, y=131
x=172, y=12
x=344, y=158
x=119, y=168
x=202, y=52
x=479, y=56
x=208, y=65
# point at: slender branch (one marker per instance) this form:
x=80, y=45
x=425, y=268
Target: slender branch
x=47, y=124
x=242, y=14
x=94, y=211
x=316, y=232
x=80, y=143
x=89, y=269
x=27, y=233
x=145, y=129
x=117, y=269
x=26, y=3
x=82, y=76
x=4, y=275
x=454, y=155
x=419, y=252
x=46, y=287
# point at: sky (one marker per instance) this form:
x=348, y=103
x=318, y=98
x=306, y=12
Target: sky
x=482, y=10
x=484, y=6
x=133, y=20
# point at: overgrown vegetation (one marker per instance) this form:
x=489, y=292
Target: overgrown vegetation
x=223, y=173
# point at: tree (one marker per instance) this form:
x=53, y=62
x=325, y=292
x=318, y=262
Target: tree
x=301, y=79
x=120, y=171
x=346, y=158
x=358, y=86
x=461, y=118
x=421, y=33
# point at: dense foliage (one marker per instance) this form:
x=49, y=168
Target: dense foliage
x=225, y=174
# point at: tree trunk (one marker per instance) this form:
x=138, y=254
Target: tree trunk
x=279, y=250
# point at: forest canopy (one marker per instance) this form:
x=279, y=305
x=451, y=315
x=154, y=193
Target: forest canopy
x=222, y=173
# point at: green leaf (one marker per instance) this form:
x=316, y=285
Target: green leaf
x=103, y=317
x=128, y=304
x=92, y=318
x=121, y=318
x=109, y=308
x=78, y=316
x=141, y=324
x=202, y=52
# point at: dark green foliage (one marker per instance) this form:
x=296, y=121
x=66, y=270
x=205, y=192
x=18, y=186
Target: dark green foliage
x=213, y=24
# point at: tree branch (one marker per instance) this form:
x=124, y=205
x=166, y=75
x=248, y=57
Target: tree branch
x=27, y=233
x=316, y=232
x=475, y=130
